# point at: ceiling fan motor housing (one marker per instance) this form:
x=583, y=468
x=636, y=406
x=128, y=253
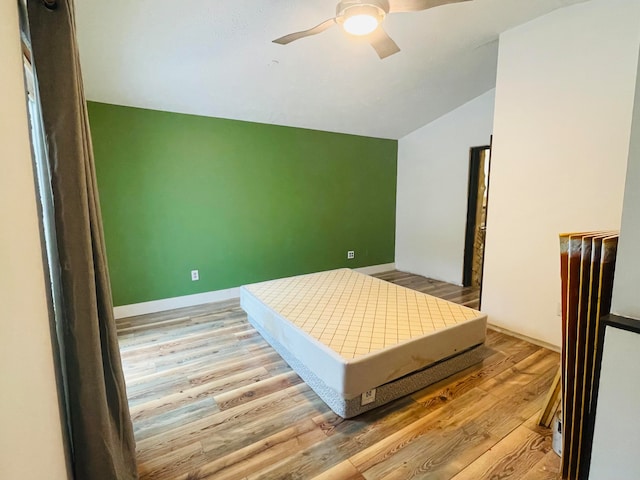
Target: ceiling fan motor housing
x=374, y=8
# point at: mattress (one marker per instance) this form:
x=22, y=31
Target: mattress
x=348, y=333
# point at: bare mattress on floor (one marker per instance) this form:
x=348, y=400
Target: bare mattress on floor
x=359, y=341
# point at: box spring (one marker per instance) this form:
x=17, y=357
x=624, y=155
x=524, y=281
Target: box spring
x=360, y=342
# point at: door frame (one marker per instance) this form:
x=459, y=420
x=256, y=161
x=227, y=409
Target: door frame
x=472, y=204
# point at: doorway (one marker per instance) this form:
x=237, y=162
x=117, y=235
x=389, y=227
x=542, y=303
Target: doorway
x=479, y=168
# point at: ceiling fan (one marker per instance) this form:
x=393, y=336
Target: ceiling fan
x=364, y=18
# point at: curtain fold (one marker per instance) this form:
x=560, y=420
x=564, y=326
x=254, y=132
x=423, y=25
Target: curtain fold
x=102, y=440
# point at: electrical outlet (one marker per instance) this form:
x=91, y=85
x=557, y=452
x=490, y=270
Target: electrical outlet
x=195, y=275
x=351, y=254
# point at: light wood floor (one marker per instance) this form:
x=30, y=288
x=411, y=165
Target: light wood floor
x=210, y=399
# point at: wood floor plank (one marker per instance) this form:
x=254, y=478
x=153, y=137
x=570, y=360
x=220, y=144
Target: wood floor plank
x=176, y=417
x=207, y=430
x=257, y=455
x=347, y=438
x=222, y=349
x=445, y=448
x=448, y=389
x=188, y=341
x=247, y=393
x=521, y=373
x=342, y=471
x=511, y=458
x=159, y=406
x=382, y=451
x=210, y=399
x=164, y=466
x=548, y=468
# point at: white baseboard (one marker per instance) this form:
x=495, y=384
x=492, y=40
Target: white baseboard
x=155, y=306
x=373, y=269
x=526, y=338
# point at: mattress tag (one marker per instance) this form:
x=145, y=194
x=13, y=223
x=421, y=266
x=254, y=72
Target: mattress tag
x=368, y=397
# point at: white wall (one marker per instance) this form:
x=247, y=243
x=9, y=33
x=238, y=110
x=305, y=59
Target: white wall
x=564, y=99
x=616, y=438
x=433, y=176
x=31, y=445
x=626, y=301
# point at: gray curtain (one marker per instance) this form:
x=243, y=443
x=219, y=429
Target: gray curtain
x=102, y=441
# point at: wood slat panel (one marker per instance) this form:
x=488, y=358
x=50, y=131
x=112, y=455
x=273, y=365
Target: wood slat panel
x=586, y=297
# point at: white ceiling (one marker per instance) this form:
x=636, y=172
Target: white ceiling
x=216, y=58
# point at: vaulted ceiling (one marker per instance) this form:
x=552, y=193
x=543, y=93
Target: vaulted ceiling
x=216, y=58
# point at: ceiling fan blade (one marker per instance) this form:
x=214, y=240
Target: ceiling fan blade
x=417, y=5
x=305, y=33
x=382, y=43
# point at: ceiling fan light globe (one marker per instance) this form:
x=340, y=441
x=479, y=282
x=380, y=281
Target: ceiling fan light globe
x=362, y=24
x=360, y=17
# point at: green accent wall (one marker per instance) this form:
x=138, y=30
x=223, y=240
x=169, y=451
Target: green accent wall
x=241, y=202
